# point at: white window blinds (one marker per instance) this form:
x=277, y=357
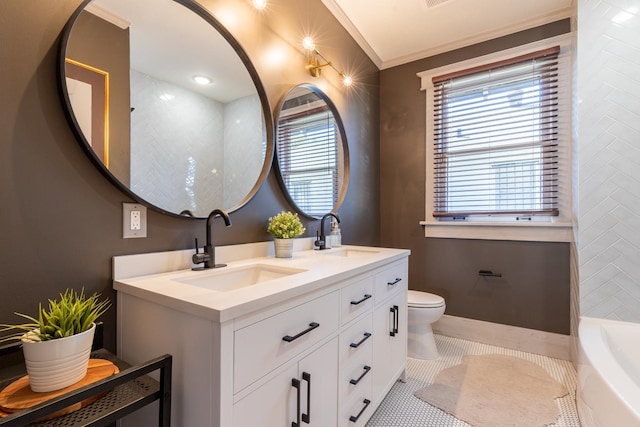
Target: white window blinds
x=496, y=139
x=307, y=153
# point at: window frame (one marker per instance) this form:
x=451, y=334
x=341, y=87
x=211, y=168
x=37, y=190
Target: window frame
x=551, y=228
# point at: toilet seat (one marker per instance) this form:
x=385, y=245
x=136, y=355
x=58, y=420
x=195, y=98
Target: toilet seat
x=418, y=299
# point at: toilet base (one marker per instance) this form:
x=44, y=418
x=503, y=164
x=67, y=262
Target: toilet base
x=421, y=343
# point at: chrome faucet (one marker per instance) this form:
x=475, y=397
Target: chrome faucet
x=321, y=238
x=208, y=257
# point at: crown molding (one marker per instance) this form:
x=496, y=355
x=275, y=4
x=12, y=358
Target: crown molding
x=108, y=16
x=342, y=18
x=384, y=63
x=479, y=38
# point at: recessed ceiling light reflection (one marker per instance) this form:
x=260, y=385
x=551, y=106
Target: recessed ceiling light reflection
x=202, y=80
x=167, y=97
x=625, y=15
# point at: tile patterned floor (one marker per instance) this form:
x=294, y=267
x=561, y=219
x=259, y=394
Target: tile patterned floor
x=402, y=409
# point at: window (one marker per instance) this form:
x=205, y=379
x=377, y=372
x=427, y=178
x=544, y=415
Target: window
x=496, y=139
x=308, y=159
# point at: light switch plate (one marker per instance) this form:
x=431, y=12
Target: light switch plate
x=134, y=220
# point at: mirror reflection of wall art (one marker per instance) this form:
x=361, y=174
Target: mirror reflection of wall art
x=89, y=95
x=189, y=124
x=312, y=154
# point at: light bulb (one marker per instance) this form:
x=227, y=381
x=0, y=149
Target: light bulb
x=308, y=44
x=260, y=4
x=346, y=80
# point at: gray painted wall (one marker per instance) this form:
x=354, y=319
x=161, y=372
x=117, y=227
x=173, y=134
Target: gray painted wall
x=534, y=290
x=61, y=220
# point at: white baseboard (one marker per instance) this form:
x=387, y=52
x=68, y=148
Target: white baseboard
x=513, y=337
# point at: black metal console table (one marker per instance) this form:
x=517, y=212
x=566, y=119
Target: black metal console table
x=127, y=391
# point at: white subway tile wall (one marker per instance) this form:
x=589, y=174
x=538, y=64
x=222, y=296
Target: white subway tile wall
x=608, y=82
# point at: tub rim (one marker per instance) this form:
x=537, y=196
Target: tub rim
x=612, y=374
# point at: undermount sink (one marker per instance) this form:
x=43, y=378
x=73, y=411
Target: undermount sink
x=349, y=252
x=224, y=280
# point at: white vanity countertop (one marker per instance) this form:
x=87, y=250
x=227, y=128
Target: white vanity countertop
x=320, y=269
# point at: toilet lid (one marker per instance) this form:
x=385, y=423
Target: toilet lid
x=424, y=299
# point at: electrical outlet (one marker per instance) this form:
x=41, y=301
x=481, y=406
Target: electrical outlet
x=134, y=220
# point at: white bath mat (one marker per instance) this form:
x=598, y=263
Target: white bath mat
x=496, y=391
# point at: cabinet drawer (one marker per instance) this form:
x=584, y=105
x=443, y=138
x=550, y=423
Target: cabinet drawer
x=356, y=340
x=265, y=345
x=356, y=355
x=355, y=412
x=388, y=281
x=356, y=299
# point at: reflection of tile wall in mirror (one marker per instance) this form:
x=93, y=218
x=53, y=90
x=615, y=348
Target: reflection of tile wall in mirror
x=208, y=162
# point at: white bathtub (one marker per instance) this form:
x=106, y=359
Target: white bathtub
x=608, y=392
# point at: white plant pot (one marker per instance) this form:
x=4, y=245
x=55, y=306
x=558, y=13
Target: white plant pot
x=283, y=248
x=56, y=364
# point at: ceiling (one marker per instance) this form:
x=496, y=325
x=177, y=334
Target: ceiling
x=172, y=44
x=394, y=32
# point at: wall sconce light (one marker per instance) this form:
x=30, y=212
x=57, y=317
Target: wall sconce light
x=314, y=66
x=259, y=4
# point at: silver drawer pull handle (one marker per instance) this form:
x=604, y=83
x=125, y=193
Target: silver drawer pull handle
x=312, y=326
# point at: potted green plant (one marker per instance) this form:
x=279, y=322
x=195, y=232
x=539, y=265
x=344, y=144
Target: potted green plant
x=285, y=227
x=57, y=342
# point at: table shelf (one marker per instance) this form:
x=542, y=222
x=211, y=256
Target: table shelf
x=126, y=391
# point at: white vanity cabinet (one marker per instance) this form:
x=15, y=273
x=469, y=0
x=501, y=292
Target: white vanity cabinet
x=373, y=347
x=324, y=356
x=301, y=393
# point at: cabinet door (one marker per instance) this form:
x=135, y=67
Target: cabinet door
x=318, y=374
x=389, y=343
x=273, y=404
x=308, y=388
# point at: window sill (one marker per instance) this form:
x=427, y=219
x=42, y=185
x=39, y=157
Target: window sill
x=533, y=232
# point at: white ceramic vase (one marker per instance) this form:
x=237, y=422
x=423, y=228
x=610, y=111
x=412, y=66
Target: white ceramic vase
x=56, y=364
x=283, y=247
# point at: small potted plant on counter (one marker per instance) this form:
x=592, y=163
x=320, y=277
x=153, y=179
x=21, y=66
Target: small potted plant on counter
x=285, y=227
x=57, y=342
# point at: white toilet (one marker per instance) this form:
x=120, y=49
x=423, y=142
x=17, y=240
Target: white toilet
x=423, y=309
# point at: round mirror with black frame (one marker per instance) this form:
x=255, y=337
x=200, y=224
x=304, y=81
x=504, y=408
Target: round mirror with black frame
x=166, y=103
x=312, y=157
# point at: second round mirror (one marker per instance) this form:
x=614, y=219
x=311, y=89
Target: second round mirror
x=312, y=157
